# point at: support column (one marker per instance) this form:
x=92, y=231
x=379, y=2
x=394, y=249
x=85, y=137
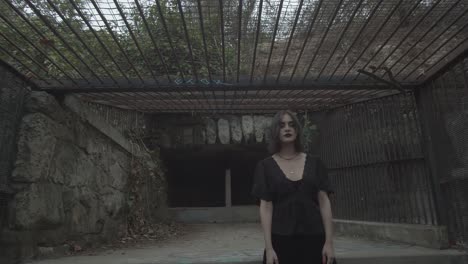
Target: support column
x=227, y=188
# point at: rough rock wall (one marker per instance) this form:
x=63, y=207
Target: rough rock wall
x=70, y=180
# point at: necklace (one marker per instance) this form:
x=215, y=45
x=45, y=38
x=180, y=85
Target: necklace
x=291, y=171
x=293, y=157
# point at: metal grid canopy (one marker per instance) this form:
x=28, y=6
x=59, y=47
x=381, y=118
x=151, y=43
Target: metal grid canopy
x=231, y=55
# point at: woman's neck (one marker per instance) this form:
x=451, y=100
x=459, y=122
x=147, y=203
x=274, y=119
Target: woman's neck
x=287, y=150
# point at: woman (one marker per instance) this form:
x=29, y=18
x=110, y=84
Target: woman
x=293, y=189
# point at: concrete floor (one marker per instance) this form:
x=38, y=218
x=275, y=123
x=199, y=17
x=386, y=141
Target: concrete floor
x=243, y=243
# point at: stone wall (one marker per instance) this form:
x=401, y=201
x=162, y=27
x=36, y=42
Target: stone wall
x=70, y=179
x=12, y=92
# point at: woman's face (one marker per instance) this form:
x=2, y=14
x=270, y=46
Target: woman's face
x=287, y=132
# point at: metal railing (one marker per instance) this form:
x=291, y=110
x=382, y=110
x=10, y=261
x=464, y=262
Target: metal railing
x=376, y=162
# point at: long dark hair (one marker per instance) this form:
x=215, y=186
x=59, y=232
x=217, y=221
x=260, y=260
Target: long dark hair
x=275, y=142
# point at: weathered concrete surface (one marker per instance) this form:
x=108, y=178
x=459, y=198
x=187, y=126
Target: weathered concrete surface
x=210, y=131
x=236, y=129
x=247, y=127
x=243, y=243
x=224, y=134
x=421, y=235
x=233, y=214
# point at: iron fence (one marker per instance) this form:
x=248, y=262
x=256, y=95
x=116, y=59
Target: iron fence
x=444, y=108
x=375, y=156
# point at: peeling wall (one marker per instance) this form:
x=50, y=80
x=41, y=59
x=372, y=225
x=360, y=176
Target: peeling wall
x=178, y=130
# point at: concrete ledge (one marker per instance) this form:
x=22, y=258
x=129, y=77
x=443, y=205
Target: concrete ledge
x=74, y=104
x=196, y=215
x=421, y=235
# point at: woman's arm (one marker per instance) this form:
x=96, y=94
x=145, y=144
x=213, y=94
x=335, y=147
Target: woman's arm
x=266, y=212
x=326, y=212
x=327, y=218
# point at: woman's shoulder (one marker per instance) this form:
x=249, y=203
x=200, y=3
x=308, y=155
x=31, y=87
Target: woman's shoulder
x=266, y=160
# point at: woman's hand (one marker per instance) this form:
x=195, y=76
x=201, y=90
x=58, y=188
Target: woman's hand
x=271, y=257
x=328, y=254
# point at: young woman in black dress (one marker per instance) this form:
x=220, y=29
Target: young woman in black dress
x=293, y=190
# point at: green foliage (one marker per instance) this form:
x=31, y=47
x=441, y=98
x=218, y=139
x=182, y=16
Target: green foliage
x=309, y=132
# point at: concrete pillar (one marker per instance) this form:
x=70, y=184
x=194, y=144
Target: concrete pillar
x=227, y=188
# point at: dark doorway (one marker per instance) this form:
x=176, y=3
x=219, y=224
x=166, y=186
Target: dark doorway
x=196, y=175
x=242, y=164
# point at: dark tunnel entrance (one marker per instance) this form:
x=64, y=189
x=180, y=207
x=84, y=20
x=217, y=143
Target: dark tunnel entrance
x=211, y=175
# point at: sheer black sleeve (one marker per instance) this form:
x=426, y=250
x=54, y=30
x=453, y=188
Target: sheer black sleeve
x=261, y=186
x=323, y=181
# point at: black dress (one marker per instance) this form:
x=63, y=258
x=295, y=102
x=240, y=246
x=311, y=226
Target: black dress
x=298, y=233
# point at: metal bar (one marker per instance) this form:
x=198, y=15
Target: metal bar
x=42, y=36
x=418, y=40
x=28, y=56
x=187, y=38
x=442, y=70
x=293, y=30
x=397, y=136
x=207, y=59
x=253, y=99
x=189, y=45
x=24, y=65
x=316, y=11
x=260, y=8
x=402, y=21
x=208, y=111
x=126, y=98
x=109, y=29
x=228, y=109
x=239, y=36
x=377, y=32
x=371, y=15
x=397, y=198
x=57, y=34
x=429, y=44
x=374, y=76
x=163, y=20
x=464, y=68
x=375, y=127
x=347, y=137
x=72, y=2
x=428, y=148
x=458, y=51
x=134, y=39
x=340, y=38
x=136, y=44
x=289, y=41
x=153, y=40
x=320, y=93
x=129, y=99
x=54, y=7
x=384, y=128
x=330, y=24
x=435, y=52
x=153, y=87
x=221, y=13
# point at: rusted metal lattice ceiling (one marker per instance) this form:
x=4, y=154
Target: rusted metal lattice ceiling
x=231, y=55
